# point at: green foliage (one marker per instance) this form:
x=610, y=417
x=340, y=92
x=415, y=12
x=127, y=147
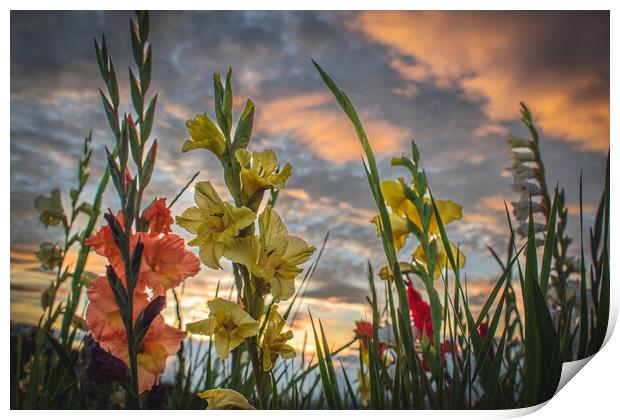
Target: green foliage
x=507, y=368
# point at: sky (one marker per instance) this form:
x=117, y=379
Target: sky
x=451, y=81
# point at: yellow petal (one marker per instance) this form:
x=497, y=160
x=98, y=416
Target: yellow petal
x=204, y=135
x=276, y=320
x=190, y=220
x=442, y=257
x=283, y=288
x=267, y=364
x=225, y=399
x=449, y=211
x=400, y=230
x=223, y=346
x=210, y=254
x=248, y=329
x=243, y=157
x=238, y=217
x=295, y=250
x=393, y=194
x=202, y=327
x=236, y=313
x=385, y=273
x=244, y=251
x=206, y=197
x=270, y=226
x=287, y=352
x=280, y=179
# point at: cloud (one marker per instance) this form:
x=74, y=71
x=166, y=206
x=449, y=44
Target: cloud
x=54, y=102
x=314, y=120
x=550, y=60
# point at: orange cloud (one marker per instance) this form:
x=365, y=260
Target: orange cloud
x=492, y=58
x=314, y=120
x=495, y=203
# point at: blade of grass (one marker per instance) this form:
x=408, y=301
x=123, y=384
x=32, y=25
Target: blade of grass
x=349, y=387
x=328, y=389
x=545, y=269
x=583, y=319
x=330, y=367
x=532, y=341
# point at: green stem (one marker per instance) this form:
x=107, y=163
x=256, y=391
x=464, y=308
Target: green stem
x=76, y=284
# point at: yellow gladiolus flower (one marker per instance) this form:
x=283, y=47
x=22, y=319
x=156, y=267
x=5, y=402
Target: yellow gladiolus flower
x=274, y=340
x=204, y=135
x=275, y=256
x=214, y=222
x=228, y=325
x=225, y=399
x=400, y=230
x=442, y=257
x=259, y=171
x=394, y=196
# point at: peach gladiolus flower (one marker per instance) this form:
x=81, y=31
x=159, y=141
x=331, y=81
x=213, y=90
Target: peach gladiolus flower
x=161, y=341
x=103, y=243
x=103, y=316
x=158, y=216
x=166, y=262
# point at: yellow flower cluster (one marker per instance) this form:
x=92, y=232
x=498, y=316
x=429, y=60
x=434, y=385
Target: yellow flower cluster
x=270, y=259
x=404, y=210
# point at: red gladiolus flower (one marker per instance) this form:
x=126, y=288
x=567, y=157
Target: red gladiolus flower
x=382, y=348
x=445, y=349
x=483, y=330
x=363, y=330
x=420, y=311
x=158, y=216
